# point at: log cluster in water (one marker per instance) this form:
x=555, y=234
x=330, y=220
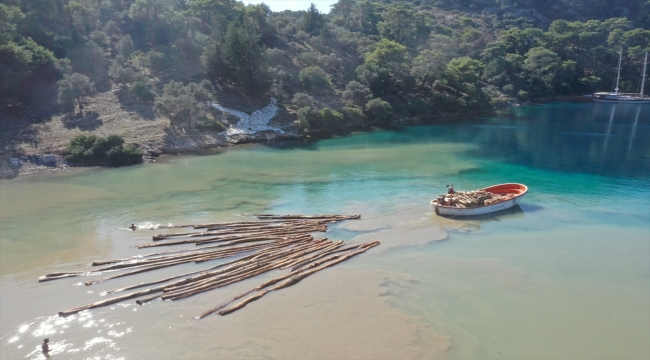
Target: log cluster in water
x=257, y=247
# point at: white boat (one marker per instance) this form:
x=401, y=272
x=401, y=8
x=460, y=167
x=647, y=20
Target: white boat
x=513, y=193
x=621, y=98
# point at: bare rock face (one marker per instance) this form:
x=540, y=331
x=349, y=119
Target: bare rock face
x=251, y=124
x=48, y=159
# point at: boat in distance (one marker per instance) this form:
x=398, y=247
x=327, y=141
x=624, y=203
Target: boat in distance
x=621, y=98
x=509, y=195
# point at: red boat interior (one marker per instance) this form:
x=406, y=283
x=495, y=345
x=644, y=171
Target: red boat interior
x=514, y=189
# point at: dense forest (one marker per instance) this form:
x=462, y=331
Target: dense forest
x=361, y=62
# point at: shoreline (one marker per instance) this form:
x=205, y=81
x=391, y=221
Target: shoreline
x=191, y=147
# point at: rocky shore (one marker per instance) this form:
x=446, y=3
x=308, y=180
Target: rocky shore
x=40, y=147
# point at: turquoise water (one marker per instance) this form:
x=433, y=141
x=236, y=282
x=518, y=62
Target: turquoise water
x=565, y=275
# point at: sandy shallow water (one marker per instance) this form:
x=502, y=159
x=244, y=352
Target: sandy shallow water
x=564, y=276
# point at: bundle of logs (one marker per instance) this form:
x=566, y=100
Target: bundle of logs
x=472, y=198
x=257, y=247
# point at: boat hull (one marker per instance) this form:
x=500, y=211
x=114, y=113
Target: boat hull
x=518, y=190
x=623, y=101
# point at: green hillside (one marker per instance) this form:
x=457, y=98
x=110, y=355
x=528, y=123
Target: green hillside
x=363, y=62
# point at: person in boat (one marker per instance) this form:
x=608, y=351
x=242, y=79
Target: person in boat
x=45, y=348
x=450, y=189
x=133, y=227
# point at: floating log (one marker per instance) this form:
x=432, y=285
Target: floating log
x=255, y=247
x=280, y=278
x=233, y=265
x=294, y=280
x=247, y=270
x=310, y=217
x=302, y=263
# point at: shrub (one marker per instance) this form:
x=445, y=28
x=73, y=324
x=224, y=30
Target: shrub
x=184, y=102
x=418, y=107
x=311, y=119
x=202, y=91
x=330, y=119
x=301, y=100
x=212, y=125
x=156, y=60
x=121, y=75
x=356, y=92
x=99, y=37
x=331, y=62
x=126, y=155
x=89, y=149
x=353, y=115
x=125, y=46
x=379, y=110
x=314, y=78
x=142, y=92
x=308, y=58
x=81, y=148
x=307, y=116
x=75, y=87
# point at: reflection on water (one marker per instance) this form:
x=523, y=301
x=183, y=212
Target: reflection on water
x=594, y=138
x=564, y=275
x=633, y=133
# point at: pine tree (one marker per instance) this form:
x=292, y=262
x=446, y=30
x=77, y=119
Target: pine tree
x=239, y=59
x=313, y=20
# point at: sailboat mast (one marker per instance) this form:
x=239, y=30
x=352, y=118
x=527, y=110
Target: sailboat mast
x=618, y=72
x=645, y=62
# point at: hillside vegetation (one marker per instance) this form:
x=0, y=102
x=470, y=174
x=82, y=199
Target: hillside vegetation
x=363, y=62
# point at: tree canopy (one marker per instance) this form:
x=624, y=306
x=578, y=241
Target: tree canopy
x=412, y=59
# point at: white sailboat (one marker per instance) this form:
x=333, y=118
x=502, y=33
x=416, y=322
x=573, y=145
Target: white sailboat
x=622, y=98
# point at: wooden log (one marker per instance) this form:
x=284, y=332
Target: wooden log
x=165, y=236
x=235, y=223
x=180, y=242
x=154, y=262
x=131, y=287
x=234, y=270
x=109, y=301
x=226, y=231
x=210, y=283
x=261, y=234
x=178, y=252
x=50, y=278
x=64, y=273
x=277, y=243
x=221, y=239
x=276, y=280
x=221, y=281
x=122, y=298
x=239, y=263
x=244, y=240
x=316, y=257
x=146, y=262
x=217, y=285
x=296, y=255
x=260, y=251
x=320, y=252
x=239, y=305
x=147, y=299
x=277, y=217
x=139, y=270
x=292, y=280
